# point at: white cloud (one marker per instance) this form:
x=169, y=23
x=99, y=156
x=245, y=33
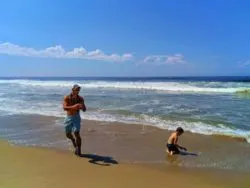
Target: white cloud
x=165, y=59
x=244, y=63
x=59, y=52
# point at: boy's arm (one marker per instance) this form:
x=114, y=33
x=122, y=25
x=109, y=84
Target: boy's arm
x=177, y=145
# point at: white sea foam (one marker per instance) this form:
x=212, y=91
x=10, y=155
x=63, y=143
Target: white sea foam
x=190, y=87
x=195, y=127
x=49, y=107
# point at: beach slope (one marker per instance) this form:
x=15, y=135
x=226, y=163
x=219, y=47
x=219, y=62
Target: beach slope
x=26, y=167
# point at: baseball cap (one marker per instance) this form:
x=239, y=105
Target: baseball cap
x=76, y=86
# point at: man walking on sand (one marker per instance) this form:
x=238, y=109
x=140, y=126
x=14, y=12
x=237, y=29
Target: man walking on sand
x=72, y=104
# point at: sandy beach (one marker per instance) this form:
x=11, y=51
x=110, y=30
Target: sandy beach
x=129, y=143
x=124, y=94
x=23, y=167
x=118, y=155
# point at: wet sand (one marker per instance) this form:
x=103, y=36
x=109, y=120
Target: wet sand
x=139, y=151
x=130, y=143
x=26, y=167
x=139, y=143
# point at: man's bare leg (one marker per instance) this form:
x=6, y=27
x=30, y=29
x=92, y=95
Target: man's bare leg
x=70, y=136
x=78, y=143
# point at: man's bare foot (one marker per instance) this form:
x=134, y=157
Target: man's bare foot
x=77, y=151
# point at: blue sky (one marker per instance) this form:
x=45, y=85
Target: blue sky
x=124, y=38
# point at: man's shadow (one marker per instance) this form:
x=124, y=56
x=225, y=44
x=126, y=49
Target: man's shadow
x=96, y=159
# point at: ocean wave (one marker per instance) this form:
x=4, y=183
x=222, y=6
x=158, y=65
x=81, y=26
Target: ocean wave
x=179, y=87
x=243, y=91
x=200, y=127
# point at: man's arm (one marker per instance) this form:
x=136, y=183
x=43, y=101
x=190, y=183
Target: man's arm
x=83, y=105
x=67, y=107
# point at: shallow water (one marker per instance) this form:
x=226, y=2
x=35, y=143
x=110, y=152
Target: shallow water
x=202, y=105
x=128, y=143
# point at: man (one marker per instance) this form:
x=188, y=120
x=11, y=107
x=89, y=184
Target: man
x=73, y=103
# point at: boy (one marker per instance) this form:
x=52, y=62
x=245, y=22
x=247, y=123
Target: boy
x=172, y=146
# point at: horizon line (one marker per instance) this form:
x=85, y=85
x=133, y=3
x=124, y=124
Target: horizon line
x=116, y=76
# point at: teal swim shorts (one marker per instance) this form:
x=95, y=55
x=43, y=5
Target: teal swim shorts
x=72, y=123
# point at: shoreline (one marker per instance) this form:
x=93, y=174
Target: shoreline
x=220, y=136
x=43, y=167
x=144, y=127
x=132, y=143
x=217, y=135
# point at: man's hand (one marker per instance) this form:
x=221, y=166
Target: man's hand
x=83, y=108
x=77, y=106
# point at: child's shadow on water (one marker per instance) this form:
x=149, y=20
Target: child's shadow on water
x=96, y=159
x=175, y=160
x=187, y=153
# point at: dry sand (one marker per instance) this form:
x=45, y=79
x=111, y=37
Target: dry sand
x=24, y=167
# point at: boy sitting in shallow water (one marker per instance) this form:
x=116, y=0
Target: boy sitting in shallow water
x=172, y=146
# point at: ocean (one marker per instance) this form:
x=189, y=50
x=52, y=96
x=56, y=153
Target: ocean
x=205, y=105
x=31, y=114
